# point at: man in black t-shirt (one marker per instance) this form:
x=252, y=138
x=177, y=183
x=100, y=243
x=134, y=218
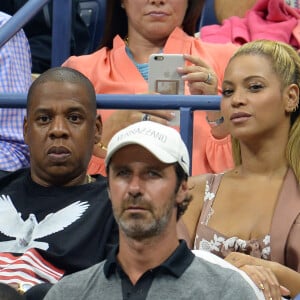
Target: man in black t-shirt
x=54, y=218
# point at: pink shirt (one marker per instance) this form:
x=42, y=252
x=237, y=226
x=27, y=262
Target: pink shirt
x=113, y=72
x=267, y=19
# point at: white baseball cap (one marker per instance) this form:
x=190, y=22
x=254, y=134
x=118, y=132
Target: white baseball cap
x=164, y=142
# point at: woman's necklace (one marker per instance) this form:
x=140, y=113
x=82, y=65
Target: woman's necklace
x=126, y=39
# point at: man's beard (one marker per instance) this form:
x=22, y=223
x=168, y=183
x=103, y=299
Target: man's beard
x=139, y=228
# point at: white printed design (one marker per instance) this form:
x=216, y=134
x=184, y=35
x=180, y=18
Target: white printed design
x=212, y=245
x=26, y=232
x=220, y=244
x=208, y=196
x=266, y=251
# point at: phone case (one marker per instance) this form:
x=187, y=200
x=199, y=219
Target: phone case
x=163, y=77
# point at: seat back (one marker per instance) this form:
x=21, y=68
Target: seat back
x=208, y=16
x=92, y=13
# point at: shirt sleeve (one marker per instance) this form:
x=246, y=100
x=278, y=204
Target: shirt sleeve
x=236, y=287
x=15, y=77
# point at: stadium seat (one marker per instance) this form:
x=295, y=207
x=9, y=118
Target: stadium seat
x=208, y=16
x=92, y=13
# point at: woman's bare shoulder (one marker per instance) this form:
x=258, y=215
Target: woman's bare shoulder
x=197, y=183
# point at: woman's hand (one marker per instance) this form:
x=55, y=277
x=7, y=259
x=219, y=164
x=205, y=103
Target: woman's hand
x=201, y=78
x=123, y=118
x=260, y=273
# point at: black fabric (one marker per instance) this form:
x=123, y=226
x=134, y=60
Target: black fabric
x=79, y=245
x=175, y=265
x=39, y=33
x=38, y=292
x=9, y=293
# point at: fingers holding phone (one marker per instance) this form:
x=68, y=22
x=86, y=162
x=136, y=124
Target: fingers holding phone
x=200, y=77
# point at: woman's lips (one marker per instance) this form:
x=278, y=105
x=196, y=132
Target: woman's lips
x=239, y=117
x=157, y=14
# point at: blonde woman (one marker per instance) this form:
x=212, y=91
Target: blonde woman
x=251, y=214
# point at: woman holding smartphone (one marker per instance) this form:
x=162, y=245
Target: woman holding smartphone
x=134, y=30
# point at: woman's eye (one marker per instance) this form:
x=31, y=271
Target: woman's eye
x=227, y=92
x=255, y=87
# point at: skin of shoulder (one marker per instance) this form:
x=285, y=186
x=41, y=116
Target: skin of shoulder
x=197, y=189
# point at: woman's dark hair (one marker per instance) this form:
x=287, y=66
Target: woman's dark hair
x=116, y=21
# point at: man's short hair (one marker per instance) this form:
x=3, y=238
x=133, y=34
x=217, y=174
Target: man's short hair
x=63, y=74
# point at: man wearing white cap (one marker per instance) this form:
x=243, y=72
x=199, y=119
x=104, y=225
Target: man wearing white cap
x=148, y=166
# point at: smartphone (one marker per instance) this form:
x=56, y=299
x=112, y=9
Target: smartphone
x=164, y=79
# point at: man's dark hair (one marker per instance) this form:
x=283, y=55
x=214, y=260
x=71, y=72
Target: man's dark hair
x=181, y=176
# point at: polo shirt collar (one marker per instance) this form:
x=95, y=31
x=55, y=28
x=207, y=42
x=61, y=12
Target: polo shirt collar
x=175, y=264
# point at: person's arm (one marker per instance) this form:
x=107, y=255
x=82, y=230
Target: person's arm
x=202, y=80
x=261, y=272
x=15, y=77
x=236, y=287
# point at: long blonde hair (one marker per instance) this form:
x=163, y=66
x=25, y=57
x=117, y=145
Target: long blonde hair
x=285, y=62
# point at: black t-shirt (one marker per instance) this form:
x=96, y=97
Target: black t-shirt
x=71, y=227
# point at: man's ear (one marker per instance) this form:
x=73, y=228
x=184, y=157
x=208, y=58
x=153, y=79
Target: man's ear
x=291, y=98
x=25, y=128
x=182, y=191
x=98, y=129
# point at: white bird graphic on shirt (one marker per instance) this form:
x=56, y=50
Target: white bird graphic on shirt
x=26, y=232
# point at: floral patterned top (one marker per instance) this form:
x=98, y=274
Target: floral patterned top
x=210, y=240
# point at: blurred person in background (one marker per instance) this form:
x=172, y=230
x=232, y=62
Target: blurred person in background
x=15, y=77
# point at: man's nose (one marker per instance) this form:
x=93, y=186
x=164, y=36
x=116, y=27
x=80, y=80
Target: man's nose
x=135, y=186
x=58, y=128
